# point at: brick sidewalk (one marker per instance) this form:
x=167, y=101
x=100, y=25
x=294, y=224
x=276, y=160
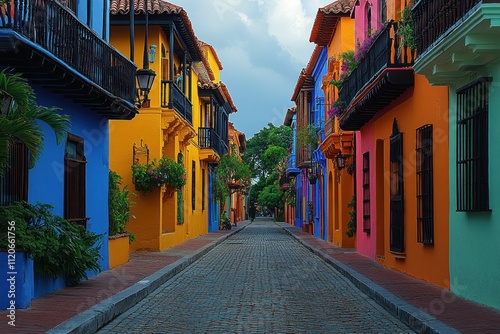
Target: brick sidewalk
x=390, y=288
x=452, y=310
x=50, y=310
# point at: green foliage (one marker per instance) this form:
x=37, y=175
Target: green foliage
x=307, y=136
x=22, y=122
x=260, y=143
x=271, y=197
x=180, y=207
x=119, y=205
x=406, y=27
x=351, y=224
x=157, y=173
x=57, y=247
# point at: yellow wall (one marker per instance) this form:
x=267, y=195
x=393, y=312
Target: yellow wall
x=155, y=226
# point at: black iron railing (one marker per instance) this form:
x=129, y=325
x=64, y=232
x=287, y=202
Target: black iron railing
x=284, y=181
x=173, y=97
x=434, y=18
x=57, y=30
x=386, y=52
x=209, y=138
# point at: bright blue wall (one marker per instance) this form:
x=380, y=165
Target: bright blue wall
x=46, y=180
x=99, y=8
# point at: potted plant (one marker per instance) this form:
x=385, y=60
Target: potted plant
x=158, y=173
x=119, y=205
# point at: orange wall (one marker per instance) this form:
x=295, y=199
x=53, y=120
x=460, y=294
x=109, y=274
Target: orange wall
x=422, y=105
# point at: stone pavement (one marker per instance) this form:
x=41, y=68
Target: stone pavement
x=84, y=309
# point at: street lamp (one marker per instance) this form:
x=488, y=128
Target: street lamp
x=145, y=76
x=341, y=159
x=313, y=171
x=5, y=103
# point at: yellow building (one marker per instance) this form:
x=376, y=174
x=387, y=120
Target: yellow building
x=185, y=120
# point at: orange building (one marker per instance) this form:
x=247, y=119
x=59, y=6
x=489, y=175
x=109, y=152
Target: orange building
x=401, y=169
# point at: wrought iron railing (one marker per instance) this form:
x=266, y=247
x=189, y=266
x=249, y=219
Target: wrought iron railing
x=434, y=18
x=173, y=97
x=284, y=181
x=385, y=52
x=209, y=138
x=57, y=30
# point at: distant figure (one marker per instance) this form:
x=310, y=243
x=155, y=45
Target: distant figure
x=252, y=211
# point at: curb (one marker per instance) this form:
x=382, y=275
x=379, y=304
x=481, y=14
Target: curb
x=416, y=319
x=97, y=316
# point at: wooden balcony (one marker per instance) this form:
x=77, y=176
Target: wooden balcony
x=50, y=46
x=383, y=74
x=284, y=182
x=172, y=97
x=211, y=144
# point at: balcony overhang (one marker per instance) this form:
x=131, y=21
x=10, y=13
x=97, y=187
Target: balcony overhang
x=174, y=125
x=381, y=92
x=43, y=68
x=292, y=172
x=209, y=155
x=336, y=143
x=461, y=52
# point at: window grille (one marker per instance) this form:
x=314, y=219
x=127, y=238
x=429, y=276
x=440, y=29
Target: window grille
x=472, y=146
x=14, y=182
x=366, y=192
x=396, y=188
x=425, y=185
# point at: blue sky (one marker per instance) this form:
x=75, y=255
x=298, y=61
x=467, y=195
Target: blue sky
x=262, y=45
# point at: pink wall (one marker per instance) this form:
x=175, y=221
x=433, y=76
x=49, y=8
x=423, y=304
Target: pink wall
x=365, y=242
x=361, y=19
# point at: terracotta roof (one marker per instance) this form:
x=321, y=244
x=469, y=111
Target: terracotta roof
x=305, y=79
x=120, y=7
x=217, y=60
x=289, y=116
x=228, y=97
x=327, y=19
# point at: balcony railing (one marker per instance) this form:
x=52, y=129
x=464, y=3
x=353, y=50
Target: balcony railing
x=385, y=52
x=434, y=18
x=284, y=181
x=173, y=97
x=56, y=29
x=329, y=126
x=208, y=138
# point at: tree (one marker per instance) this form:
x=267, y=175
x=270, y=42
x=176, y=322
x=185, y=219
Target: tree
x=265, y=153
x=21, y=123
x=230, y=170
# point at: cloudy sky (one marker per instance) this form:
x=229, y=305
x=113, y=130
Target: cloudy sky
x=263, y=45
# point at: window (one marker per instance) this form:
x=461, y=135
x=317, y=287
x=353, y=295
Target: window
x=425, y=185
x=74, y=180
x=366, y=192
x=193, y=185
x=396, y=188
x=472, y=146
x=383, y=11
x=14, y=182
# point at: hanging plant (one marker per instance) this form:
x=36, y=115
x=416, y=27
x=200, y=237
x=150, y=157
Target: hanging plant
x=158, y=173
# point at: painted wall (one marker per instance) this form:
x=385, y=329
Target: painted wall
x=156, y=226
x=412, y=110
x=50, y=171
x=474, y=246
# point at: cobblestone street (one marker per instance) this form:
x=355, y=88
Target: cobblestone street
x=258, y=281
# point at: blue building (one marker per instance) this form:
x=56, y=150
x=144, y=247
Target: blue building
x=63, y=52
